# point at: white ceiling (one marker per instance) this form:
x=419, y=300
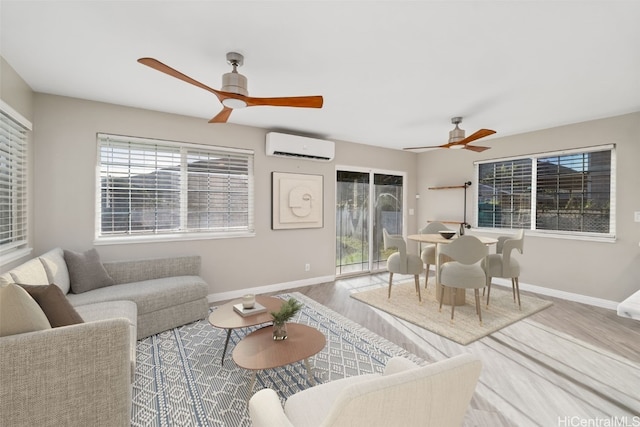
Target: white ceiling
x=392, y=73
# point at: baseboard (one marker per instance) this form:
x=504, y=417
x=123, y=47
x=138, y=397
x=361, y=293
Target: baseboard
x=278, y=287
x=583, y=299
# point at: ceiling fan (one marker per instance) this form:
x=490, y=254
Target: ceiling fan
x=457, y=139
x=234, y=92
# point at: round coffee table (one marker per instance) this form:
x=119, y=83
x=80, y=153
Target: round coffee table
x=258, y=350
x=225, y=317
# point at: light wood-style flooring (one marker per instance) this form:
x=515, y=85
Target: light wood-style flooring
x=570, y=364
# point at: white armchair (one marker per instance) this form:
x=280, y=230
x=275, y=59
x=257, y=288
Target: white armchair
x=405, y=395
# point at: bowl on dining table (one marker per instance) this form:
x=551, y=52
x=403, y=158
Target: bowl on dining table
x=447, y=234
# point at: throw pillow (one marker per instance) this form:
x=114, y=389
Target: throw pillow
x=30, y=273
x=19, y=313
x=56, y=268
x=86, y=272
x=54, y=304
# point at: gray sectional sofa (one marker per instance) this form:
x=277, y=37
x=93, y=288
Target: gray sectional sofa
x=81, y=374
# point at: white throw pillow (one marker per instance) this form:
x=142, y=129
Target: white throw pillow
x=56, y=268
x=31, y=272
x=19, y=313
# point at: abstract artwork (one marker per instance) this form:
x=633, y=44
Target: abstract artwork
x=296, y=201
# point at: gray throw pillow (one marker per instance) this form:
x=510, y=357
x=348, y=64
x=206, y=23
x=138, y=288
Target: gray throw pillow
x=86, y=272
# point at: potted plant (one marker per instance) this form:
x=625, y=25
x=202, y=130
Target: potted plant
x=280, y=318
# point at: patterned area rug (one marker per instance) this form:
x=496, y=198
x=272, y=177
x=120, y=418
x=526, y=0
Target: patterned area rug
x=179, y=380
x=465, y=327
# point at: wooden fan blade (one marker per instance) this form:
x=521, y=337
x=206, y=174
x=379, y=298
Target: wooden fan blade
x=291, y=101
x=157, y=65
x=222, y=116
x=477, y=135
x=476, y=148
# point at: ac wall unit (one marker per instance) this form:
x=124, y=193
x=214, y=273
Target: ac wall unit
x=285, y=145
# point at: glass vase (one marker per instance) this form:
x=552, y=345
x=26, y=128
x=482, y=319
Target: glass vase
x=279, y=331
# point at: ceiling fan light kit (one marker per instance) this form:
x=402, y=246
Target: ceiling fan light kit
x=234, y=93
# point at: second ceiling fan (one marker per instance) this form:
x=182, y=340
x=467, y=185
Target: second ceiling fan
x=234, y=92
x=457, y=139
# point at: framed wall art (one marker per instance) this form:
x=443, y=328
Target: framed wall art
x=297, y=201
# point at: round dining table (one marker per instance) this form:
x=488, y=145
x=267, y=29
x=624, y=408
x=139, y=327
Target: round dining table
x=437, y=240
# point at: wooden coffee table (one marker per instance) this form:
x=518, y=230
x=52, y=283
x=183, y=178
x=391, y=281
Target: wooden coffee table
x=225, y=317
x=258, y=350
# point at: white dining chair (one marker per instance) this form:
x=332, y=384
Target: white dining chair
x=465, y=270
x=428, y=253
x=401, y=262
x=502, y=264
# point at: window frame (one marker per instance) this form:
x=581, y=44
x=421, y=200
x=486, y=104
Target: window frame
x=157, y=235
x=18, y=248
x=609, y=237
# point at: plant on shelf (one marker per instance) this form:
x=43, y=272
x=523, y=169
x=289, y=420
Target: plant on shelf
x=280, y=318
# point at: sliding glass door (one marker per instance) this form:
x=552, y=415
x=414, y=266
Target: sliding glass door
x=366, y=202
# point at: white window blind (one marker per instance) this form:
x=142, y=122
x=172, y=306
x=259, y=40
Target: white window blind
x=151, y=187
x=568, y=192
x=13, y=181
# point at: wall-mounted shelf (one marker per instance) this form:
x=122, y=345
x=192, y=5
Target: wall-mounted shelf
x=463, y=224
x=449, y=187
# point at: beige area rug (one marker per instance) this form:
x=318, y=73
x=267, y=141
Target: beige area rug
x=465, y=327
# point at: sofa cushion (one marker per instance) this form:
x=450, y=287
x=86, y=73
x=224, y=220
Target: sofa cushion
x=55, y=305
x=19, y=313
x=56, y=269
x=86, y=272
x=31, y=272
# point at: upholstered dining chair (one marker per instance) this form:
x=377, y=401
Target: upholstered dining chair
x=465, y=270
x=428, y=254
x=405, y=394
x=502, y=264
x=401, y=262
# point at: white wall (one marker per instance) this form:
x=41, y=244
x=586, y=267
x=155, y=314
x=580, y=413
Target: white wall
x=64, y=211
x=609, y=271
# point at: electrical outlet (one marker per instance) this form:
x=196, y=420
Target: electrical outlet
x=636, y=216
x=307, y=267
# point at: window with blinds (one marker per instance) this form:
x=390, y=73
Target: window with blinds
x=161, y=188
x=13, y=182
x=570, y=192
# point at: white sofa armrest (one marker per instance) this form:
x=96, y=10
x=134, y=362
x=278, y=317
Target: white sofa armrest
x=73, y=375
x=266, y=410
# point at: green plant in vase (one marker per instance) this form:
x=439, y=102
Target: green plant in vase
x=280, y=318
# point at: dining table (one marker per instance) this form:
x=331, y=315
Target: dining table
x=437, y=240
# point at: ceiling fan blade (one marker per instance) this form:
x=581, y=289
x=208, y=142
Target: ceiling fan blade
x=476, y=148
x=477, y=135
x=222, y=116
x=291, y=101
x=159, y=66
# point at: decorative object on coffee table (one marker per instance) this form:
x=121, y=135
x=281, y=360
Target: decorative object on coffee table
x=281, y=317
